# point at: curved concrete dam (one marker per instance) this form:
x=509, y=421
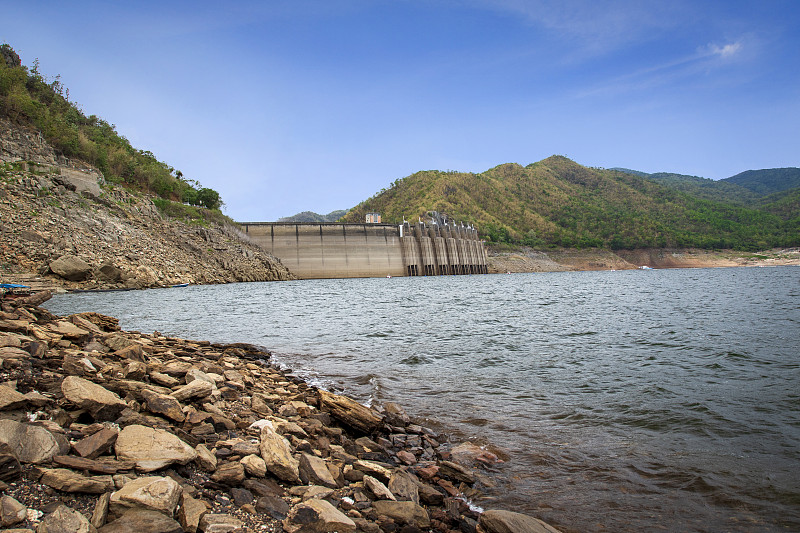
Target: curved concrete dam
x=333, y=250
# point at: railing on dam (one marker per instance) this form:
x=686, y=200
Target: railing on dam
x=333, y=250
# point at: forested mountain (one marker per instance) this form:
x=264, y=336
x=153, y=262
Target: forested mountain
x=559, y=202
x=767, y=181
x=310, y=216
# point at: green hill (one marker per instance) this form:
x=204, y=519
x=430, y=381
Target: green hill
x=558, y=202
x=767, y=181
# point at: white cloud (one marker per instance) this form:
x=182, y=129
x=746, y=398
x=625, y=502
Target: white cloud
x=727, y=51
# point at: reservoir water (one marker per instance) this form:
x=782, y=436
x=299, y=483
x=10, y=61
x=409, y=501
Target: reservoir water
x=622, y=401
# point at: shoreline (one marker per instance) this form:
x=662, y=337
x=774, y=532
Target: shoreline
x=253, y=445
x=516, y=261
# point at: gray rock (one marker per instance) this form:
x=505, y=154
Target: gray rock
x=273, y=506
x=29, y=443
x=71, y=268
x=151, y=448
x=497, y=521
x=11, y=512
x=65, y=520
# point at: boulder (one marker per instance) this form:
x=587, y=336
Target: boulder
x=404, y=512
x=273, y=506
x=350, y=412
x=65, y=520
x=82, y=182
x=141, y=521
x=109, y=272
x=254, y=465
x=317, y=516
x=498, y=521
x=163, y=404
x=314, y=471
x=71, y=268
x=155, y=493
x=404, y=486
x=99, y=401
x=205, y=459
x=378, y=489
x=96, y=444
x=152, y=448
x=11, y=399
x=277, y=454
x=468, y=453
x=196, y=389
x=11, y=512
x=229, y=474
x=29, y=443
x=190, y=513
x=69, y=481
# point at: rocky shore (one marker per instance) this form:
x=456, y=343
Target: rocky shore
x=114, y=431
x=564, y=260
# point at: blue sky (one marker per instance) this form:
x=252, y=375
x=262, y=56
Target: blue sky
x=285, y=106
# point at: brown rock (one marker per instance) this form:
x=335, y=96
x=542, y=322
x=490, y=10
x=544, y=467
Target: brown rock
x=254, y=465
x=205, y=459
x=151, y=448
x=69, y=481
x=65, y=520
x=11, y=399
x=96, y=444
x=313, y=470
x=231, y=473
x=99, y=401
x=141, y=521
x=163, y=405
x=11, y=512
x=496, y=521
x=10, y=467
x=404, y=486
x=195, y=390
x=155, y=493
x=403, y=512
x=277, y=453
x=71, y=268
x=190, y=513
x=219, y=523
x=317, y=516
x=133, y=352
x=28, y=443
x=350, y=412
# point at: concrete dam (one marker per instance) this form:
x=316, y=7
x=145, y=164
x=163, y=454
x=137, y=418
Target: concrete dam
x=334, y=250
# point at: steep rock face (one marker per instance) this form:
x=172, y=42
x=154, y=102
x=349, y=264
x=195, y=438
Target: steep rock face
x=51, y=208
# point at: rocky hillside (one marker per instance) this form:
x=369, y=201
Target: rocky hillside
x=61, y=225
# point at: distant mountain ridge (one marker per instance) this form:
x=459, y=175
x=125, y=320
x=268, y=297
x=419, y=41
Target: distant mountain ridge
x=557, y=202
x=310, y=216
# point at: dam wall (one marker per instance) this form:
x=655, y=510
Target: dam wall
x=334, y=250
